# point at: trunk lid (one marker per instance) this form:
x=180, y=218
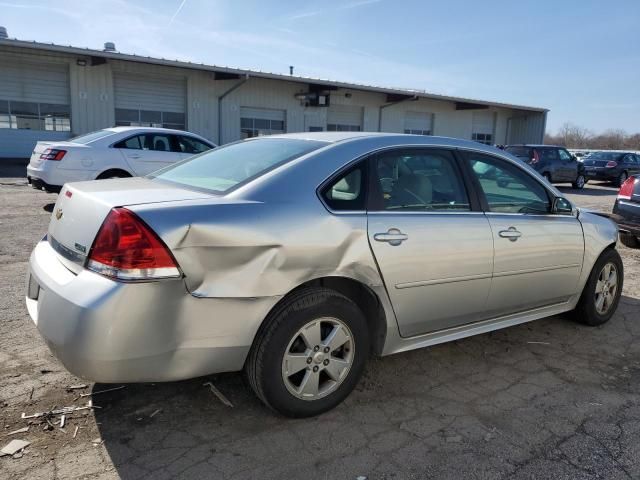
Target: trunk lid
x=40, y=147
x=82, y=207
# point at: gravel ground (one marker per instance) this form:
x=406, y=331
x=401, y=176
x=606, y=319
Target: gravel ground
x=549, y=399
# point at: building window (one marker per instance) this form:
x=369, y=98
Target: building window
x=127, y=117
x=256, y=127
x=417, y=132
x=485, y=138
x=35, y=116
x=339, y=127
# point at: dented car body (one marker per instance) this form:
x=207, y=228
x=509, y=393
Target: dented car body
x=422, y=271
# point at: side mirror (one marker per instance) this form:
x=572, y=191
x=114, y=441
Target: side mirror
x=561, y=206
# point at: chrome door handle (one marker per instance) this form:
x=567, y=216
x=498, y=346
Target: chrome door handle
x=393, y=237
x=134, y=156
x=511, y=233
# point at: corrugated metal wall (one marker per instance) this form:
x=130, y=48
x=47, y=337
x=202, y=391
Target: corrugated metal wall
x=94, y=91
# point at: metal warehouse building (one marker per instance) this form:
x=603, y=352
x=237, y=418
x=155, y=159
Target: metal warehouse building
x=53, y=92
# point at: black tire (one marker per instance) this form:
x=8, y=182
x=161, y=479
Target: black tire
x=629, y=240
x=580, y=182
x=586, y=312
x=621, y=179
x=264, y=365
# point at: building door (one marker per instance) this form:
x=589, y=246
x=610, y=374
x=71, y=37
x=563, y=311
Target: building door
x=344, y=118
x=314, y=122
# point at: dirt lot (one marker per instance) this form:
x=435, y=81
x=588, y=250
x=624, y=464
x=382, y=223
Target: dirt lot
x=550, y=399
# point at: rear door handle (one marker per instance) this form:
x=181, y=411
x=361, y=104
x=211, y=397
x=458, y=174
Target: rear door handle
x=393, y=237
x=511, y=233
x=136, y=156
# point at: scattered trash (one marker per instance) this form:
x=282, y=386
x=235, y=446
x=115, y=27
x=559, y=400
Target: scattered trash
x=15, y=432
x=76, y=387
x=361, y=477
x=63, y=418
x=102, y=391
x=595, y=404
x=14, y=446
x=97, y=441
x=155, y=413
x=31, y=394
x=44, y=371
x=539, y=343
x=218, y=394
x=75, y=432
x=60, y=411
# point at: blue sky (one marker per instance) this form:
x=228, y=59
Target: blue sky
x=581, y=59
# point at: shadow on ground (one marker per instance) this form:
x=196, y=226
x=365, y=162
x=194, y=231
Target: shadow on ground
x=547, y=399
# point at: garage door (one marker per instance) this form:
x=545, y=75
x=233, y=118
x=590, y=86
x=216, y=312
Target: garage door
x=483, y=127
x=34, y=105
x=150, y=101
x=344, y=118
x=255, y=122
x=418, y=123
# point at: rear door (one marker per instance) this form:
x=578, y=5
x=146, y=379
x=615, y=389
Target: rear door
x=538, y=255
x=631, y=165
x=190, y=146
x=148, y=152
x=434, y=251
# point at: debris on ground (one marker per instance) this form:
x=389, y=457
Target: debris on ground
x=75, y=432
x=218, y=394
x=538, y=343
x=102, y=391
x=60, y=411
x=155, y=413
x=15, y=432
x=97, y=441
x=76, y=387
x=14, y=447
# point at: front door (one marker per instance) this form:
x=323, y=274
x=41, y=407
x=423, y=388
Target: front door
x=568, y=165
x=538, y=255
x=434, y=252
x=148, y=152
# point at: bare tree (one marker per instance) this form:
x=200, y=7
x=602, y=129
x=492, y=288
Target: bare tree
x=573, y=136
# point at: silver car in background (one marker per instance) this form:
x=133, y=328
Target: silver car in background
x=294, y=257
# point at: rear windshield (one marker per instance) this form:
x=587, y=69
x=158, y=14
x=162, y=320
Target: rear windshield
x=91, y=137
x=518, y=151
x=225, y=168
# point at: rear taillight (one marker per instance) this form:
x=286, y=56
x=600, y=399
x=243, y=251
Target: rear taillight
x=535, y=159
x=125, y=248
x=611, y=164
x=626, y=190
x=53, y=154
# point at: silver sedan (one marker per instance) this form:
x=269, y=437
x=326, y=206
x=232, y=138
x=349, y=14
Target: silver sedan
x=295, y=257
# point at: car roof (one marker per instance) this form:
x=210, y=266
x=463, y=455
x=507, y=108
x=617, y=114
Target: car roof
x=149, y=129
x=533, y=145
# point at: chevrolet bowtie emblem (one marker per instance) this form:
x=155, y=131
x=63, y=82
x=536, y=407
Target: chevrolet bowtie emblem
x=58, y=213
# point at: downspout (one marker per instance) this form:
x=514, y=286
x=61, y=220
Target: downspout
x=220, y=98
x=391, y=104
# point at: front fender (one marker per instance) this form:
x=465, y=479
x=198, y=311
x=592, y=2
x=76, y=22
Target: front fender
x=600, y=233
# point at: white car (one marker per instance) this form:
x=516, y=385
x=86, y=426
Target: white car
x=110, y=153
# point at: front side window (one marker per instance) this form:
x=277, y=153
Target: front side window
x=159, y=143
x=507, y=188
x=564, y=155
x=133, y=143
x=419, y=180
x=192, y=145
x=224, y=168
x=548, y=155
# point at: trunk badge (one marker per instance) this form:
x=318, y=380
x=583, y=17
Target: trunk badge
x=59, y=214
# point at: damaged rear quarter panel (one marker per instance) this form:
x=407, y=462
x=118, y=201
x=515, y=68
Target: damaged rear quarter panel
x=246, y=249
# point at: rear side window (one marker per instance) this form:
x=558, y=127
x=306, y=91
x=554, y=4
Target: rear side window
x=191, y=145
x=134, y=143
x=507, y=188
x=521, y=152
x=548, y=154
x=347, y=192
x=419, y=180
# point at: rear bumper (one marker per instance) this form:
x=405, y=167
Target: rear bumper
x=51, y=177
x=107, y=331
x=627, y=216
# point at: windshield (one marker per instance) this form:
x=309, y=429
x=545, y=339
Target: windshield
x=605, y=156
x=225, y=168
x=90, y=137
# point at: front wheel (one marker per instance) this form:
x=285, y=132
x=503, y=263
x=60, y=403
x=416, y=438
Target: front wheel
x=579, y=183
x=310, y=353
x=601, y=294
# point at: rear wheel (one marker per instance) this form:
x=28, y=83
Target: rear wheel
x=621, y=179
x=579, y=183
x=601, y=294
x=114, y=173
x=310, y=354
x=629, y=240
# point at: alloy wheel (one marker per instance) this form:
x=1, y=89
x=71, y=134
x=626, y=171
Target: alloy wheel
x=318, y=358
x=606, y=288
